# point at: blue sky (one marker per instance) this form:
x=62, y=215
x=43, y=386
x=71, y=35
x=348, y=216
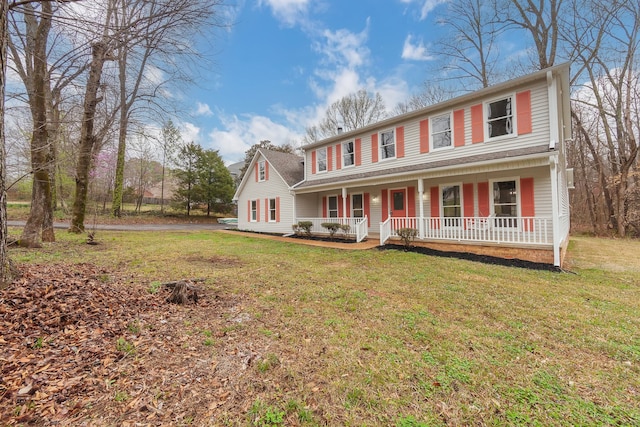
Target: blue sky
x=284, y=61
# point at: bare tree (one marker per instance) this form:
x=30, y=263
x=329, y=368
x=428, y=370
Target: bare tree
x=33, y=71
x=6, y=274
x=469, y=45
x=348, y=113
x=609, y=100
x=170, y=141
x=161, y=34
x=430, y=94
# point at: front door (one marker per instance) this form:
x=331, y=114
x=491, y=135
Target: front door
x=398, y=203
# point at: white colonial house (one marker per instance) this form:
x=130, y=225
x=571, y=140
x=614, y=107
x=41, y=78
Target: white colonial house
x=483, y=173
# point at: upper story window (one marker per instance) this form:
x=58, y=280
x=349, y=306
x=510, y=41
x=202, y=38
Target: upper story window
x=387, y=144
x=500, y=117
x=348, y=154
x=261, y=171
x=441, y=131
x=322, y=160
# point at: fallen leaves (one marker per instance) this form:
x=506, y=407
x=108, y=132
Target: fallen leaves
x=81, y=345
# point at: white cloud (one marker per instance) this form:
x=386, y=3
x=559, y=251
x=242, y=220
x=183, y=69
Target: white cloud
x=189, y=132
x=238, y=134
x=427, y=6
x=289, y=12
x=417, y=52
x=203, y=110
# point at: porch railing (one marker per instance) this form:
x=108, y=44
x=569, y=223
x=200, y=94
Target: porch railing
x=519, y=230
x=357, y=226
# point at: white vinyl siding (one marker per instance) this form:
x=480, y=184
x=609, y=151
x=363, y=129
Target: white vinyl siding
x=538, y=136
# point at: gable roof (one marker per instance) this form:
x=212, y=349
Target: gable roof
x=289, y=167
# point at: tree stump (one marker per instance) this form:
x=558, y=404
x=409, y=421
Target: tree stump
x=181, y=292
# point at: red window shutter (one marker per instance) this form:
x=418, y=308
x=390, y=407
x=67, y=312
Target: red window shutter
x=258, y=210
x=329, y=158
x=340, y=210
x=248, y=210
x=338, y=157
x=527, y=202
x=374, y=148
x=313, y=161
x=277, y=209
x=477, y=124
x=324, y=206
x=400, y=141
x=424, y=136
x=256, y=171
x=467, y=195
x=483, y=199
x=367, y=209
x=411, y=202
x=523, y=105
x=348, y=212
x=458, y=128
x=435, y=206
x=358, y=151
x=385, y=205
x=266, y=210
x=266, y=171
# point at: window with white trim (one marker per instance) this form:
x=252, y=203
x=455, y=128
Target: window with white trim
x=261, y=171
x=272, y=210
x=387, y=144
x=322, y=160
x=348, y=154
x=451, y=198
x=441, y=131
x=357, y=206
x=254, y=210
x=332, y=206
x=500, y=117
x=505, y=202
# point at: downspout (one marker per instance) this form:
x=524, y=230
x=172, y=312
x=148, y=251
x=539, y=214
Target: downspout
x=421, y=209
x=554, y=138
x=555, y=209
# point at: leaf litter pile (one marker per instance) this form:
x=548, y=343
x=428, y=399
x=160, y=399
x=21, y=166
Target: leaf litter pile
x=82, y=346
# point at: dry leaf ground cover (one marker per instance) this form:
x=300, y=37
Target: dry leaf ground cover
x=286, y=334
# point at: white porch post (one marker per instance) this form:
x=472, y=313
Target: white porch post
x=293, y=207
x=555, y=208
x=421, y=207
x=344, y=203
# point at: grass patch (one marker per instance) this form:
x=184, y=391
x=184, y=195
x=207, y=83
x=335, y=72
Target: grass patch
x=398, y=338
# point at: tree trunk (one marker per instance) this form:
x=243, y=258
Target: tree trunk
x=41, y=190
x=87, y=137
x=6, y=272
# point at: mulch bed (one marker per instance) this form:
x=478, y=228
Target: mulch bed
x=486, y=259
x=84, y=346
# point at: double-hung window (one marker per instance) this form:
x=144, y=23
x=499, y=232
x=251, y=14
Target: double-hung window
x=441, y=131
x=357, y=206
x=451, y=205
x=261, y=171
x=272, y=210
x=254, y=210
x=505, y=203
x=322, y=160
x=332, y=207
x=347, y=154
x=500, y=117
x=387, y=144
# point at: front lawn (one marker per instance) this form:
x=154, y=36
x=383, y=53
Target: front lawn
x=288, y=334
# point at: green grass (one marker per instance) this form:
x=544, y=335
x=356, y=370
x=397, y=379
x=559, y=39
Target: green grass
x=396, y=338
